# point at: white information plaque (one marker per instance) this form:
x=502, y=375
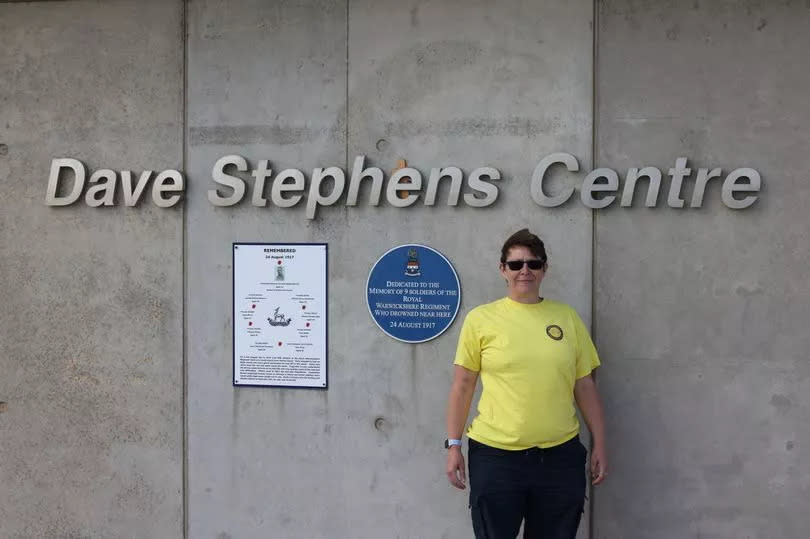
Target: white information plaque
x=279, y=314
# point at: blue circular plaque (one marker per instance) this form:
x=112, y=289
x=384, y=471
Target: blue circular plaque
x=413, y=293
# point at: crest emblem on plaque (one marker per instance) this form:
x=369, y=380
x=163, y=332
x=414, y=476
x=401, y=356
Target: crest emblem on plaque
x=279, y=319
x=412, y=267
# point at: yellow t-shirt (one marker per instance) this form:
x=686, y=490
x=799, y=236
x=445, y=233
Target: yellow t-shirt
x=528, y=357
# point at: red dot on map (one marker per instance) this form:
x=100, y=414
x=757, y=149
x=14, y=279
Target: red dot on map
x=250, y=323
x=279, y=262
x=307, y=324
x=279, y=343
x=253, y=306
x=303, y=306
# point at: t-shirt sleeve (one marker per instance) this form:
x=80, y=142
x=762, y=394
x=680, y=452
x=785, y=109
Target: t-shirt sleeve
x=468, y=351
x=587, y=358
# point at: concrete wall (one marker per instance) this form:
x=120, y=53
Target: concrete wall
x=91, y=318
x=427, y=84
x=700, y=314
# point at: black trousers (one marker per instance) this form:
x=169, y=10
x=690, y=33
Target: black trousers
x=544, y=487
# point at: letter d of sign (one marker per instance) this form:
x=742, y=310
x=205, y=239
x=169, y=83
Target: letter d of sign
x=51, y=198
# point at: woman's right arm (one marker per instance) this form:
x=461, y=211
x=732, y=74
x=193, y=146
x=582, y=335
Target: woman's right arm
x=458, y=407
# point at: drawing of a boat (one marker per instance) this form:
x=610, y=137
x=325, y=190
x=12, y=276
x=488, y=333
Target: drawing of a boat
x=279, y=319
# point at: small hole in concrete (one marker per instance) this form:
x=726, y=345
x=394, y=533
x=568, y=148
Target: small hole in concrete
x=379, y=422
x=382, y=145
x=3, y=407
x=3, y=149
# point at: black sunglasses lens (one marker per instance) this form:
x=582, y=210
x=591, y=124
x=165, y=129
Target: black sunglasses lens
x=516, y=265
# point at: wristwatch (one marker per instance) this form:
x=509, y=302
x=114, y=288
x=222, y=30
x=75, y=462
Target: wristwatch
x=451, y=442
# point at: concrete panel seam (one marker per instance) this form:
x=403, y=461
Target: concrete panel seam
x=594, y=126
x=184, y=37
x=346, y=119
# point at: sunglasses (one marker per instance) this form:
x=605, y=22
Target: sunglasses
x=534, y=264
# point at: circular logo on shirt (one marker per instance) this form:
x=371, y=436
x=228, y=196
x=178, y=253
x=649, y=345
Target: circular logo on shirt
x=555, y=332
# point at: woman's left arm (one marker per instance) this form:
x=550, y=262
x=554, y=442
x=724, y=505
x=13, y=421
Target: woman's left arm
x=587, y=397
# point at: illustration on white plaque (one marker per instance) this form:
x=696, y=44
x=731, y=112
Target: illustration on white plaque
x=279, y=319
x=279, y=273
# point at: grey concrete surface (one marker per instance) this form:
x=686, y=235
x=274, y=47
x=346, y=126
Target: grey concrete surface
x=702, y=315
x=91, y=316
x=262, y=462
x=438, y=86
x=426, y=83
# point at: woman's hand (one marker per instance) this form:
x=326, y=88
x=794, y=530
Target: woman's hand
x=598, y=465
x=455, y=467
x=587, y=397
x=458, y=405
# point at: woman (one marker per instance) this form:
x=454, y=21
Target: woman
x=535, y=358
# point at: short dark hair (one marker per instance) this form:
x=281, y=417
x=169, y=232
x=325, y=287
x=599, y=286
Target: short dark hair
x=526, y=239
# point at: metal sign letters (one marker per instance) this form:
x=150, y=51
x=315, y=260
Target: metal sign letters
x=404, y=187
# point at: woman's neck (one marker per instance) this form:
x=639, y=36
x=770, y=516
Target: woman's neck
x=533, y=298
